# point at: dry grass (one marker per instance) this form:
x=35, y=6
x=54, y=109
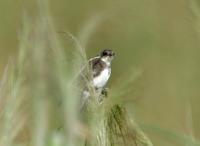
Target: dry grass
x=40, y=94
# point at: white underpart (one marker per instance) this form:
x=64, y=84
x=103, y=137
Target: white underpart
x=101, y=80
x=106, y=60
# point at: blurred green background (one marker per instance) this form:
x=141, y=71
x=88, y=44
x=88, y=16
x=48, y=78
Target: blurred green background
x=158, y=37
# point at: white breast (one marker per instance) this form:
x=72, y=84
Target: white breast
x=101, y=80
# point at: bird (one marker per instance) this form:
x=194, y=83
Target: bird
x=100, y=71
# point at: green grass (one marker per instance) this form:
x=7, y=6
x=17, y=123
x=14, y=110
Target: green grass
x=39, y=94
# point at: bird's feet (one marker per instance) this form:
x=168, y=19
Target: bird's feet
x=104, y=94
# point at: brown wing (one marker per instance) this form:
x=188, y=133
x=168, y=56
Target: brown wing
x=96, y=65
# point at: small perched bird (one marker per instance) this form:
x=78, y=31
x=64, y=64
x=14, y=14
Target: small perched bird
x=100, y=68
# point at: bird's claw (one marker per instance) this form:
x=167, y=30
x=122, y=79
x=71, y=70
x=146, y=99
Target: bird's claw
x=104, y=92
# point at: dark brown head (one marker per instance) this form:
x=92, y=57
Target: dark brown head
x=107, y=55
x=107, y=52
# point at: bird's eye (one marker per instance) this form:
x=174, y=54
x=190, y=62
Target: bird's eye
x=105, y=53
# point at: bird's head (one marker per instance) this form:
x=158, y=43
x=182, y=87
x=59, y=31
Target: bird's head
x=107, y=55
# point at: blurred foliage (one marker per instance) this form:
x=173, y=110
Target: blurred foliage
x=158, y=38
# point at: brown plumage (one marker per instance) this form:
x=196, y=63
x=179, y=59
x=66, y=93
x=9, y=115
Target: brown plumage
x=96, y=65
